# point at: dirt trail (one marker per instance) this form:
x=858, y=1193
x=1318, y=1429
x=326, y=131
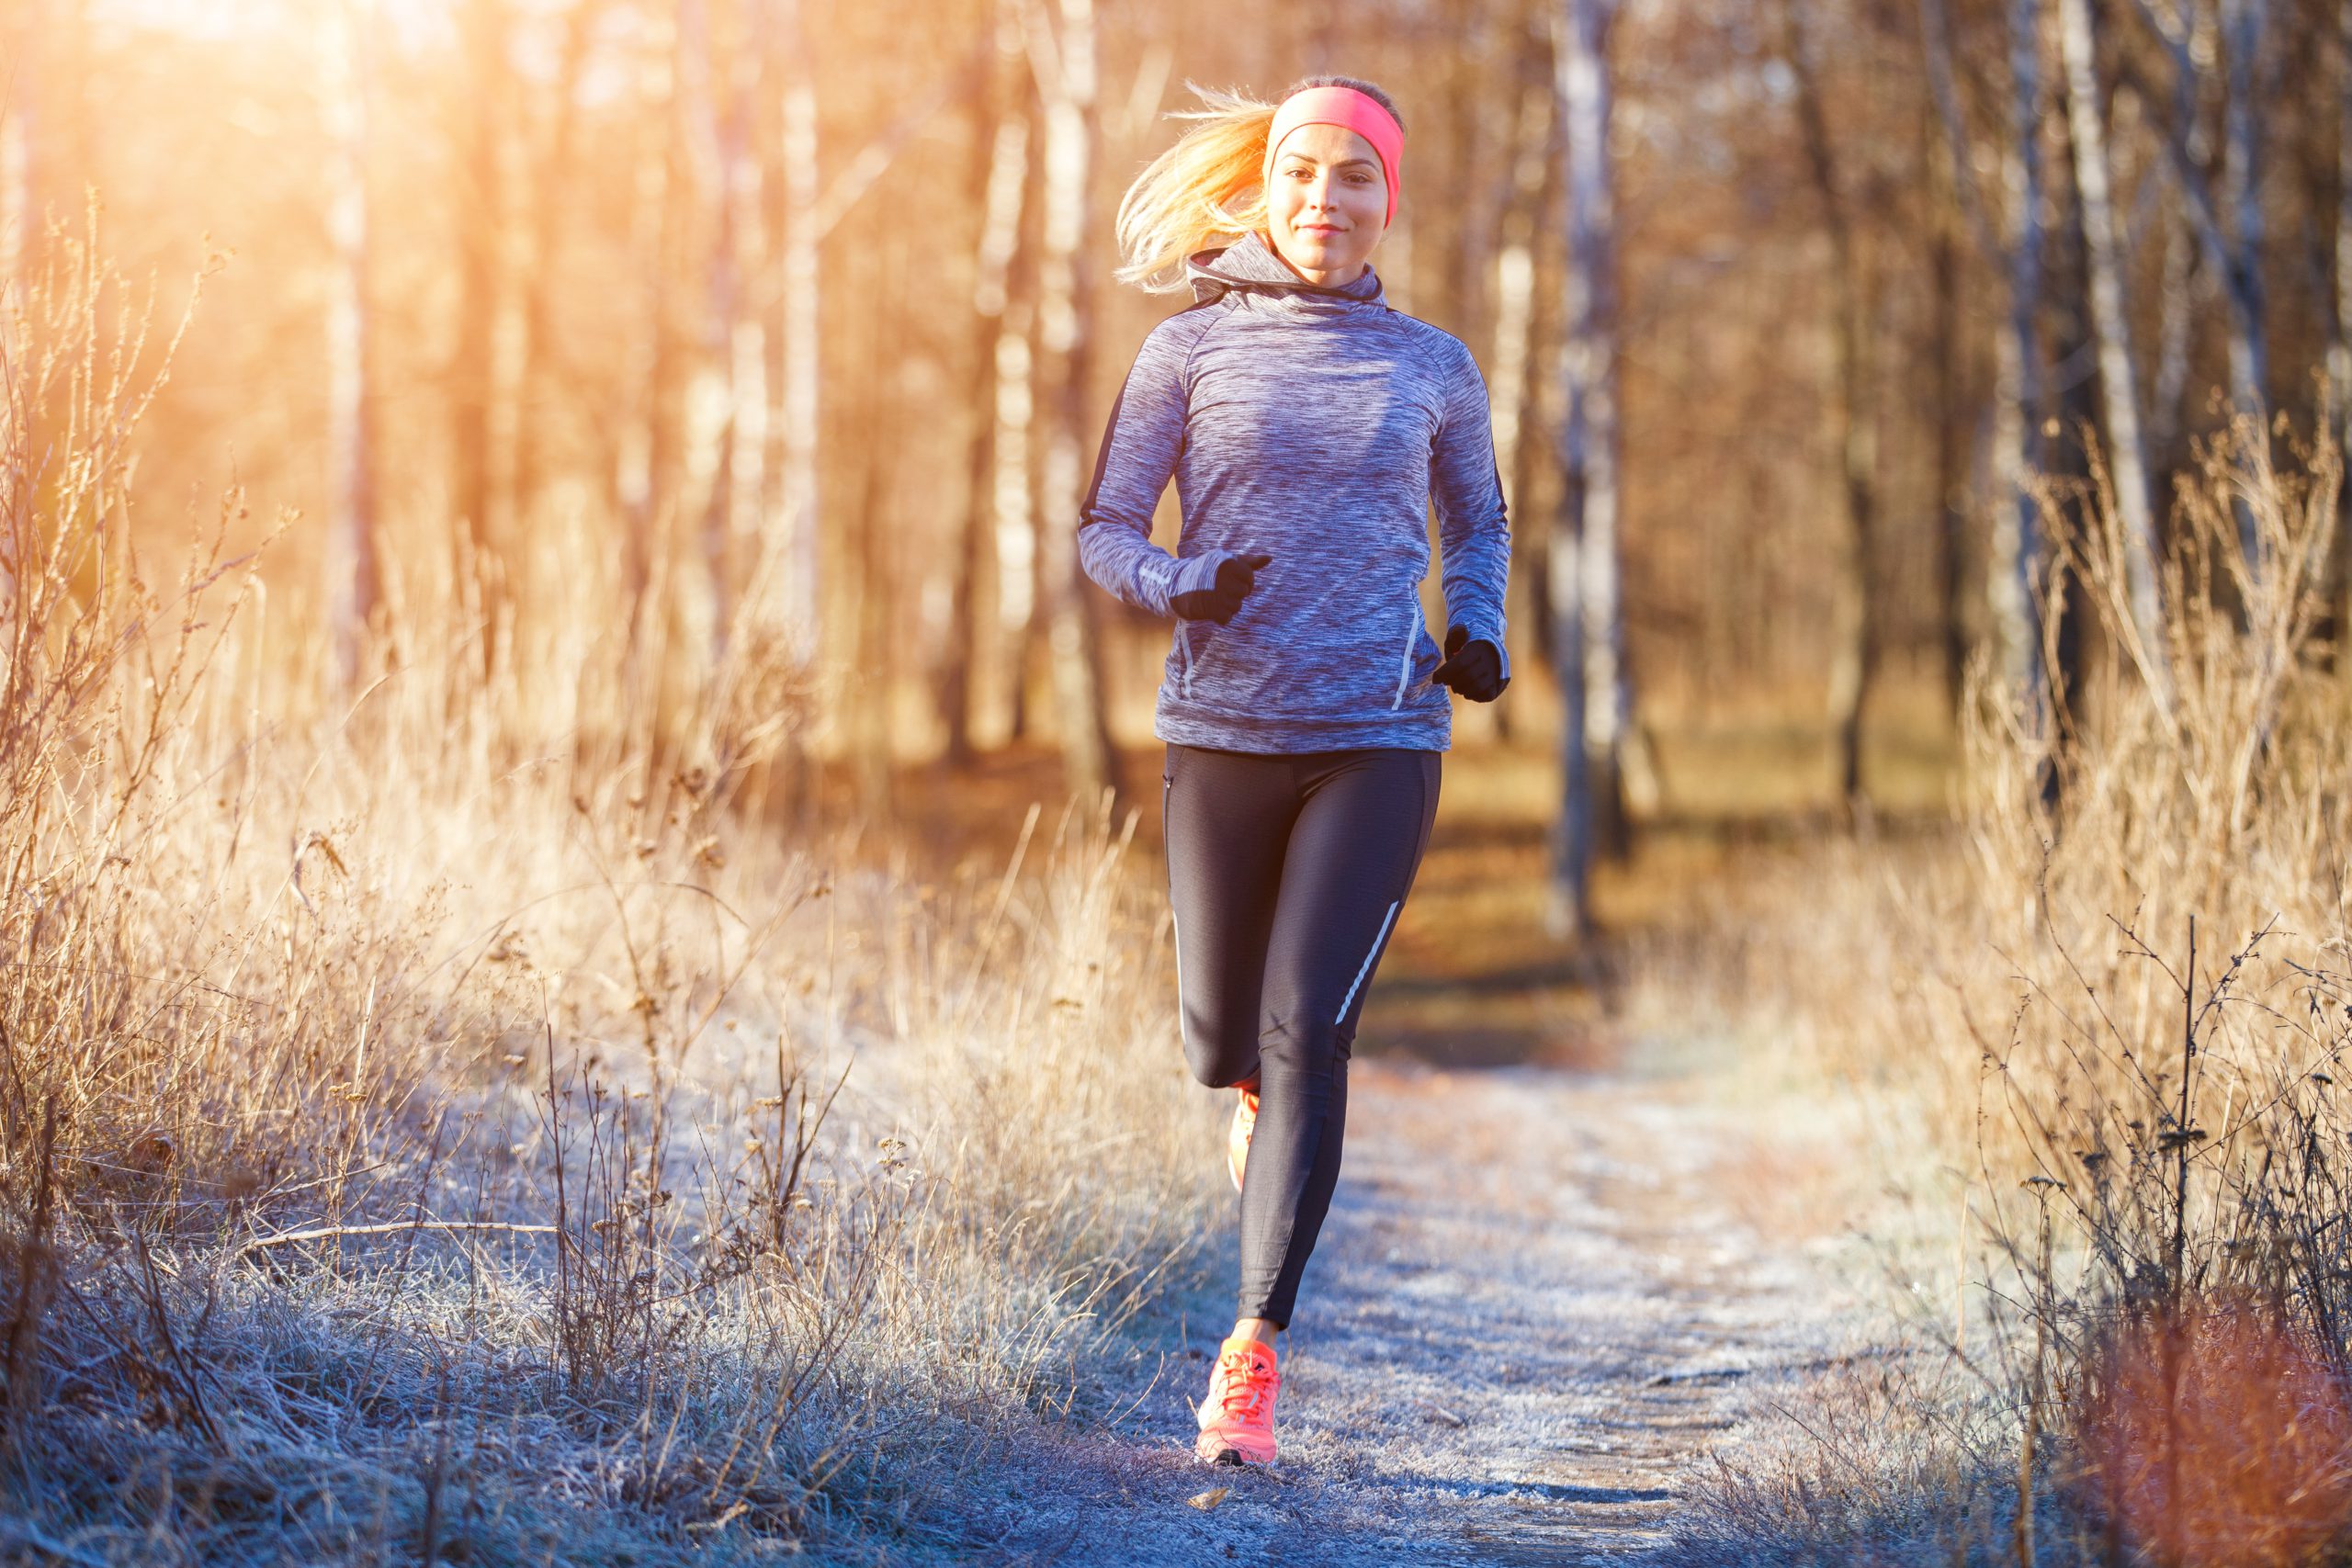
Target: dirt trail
x=1536, y=1301
x=1531, y=1313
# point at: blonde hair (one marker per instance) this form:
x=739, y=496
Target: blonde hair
x=1210, y=186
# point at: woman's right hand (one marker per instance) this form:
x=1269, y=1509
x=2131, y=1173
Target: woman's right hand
x=1235, y=576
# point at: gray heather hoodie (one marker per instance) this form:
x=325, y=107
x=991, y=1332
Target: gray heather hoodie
x=1314, y=425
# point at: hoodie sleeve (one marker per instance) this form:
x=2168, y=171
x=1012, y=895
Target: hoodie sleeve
x=1140, y=444
x=1474, y=535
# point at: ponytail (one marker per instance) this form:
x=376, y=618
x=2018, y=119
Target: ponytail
x=1204, y=190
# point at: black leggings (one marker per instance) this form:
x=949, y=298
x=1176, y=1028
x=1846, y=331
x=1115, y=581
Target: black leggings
x=1286, y=873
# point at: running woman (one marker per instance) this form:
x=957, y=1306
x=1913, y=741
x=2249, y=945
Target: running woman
x=1308, y=426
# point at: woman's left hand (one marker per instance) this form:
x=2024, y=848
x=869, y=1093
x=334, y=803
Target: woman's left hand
x=1473, y=669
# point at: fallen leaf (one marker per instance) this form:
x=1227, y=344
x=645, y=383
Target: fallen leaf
x=1209, y=1499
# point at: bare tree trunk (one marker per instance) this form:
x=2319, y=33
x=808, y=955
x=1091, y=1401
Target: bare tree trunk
x=747, y=523
x=792, y=354
x=535, y=373
x=1013, y=458
x=2339, y=353
x=481, y=239
x=1584, y=548
x=2014, y=581
x=354, y=579
x=1568, y=906
x=2111, y=322
x=2229, y=225
x=1000, y=145
x=1066, y=305
x=794, y=348
x=2244, y=25
x=1468, y=243
x=729, y=403
x=1516, y=360
x=870, y=722
x=1537, y=479
x=20, y=130
x=1854, y=656
x=1950, y=418
x=2176, y=320
x=21, y=133
x=2070, y=339
x=1622, y=777
x=1461, y=253
x=648, y=454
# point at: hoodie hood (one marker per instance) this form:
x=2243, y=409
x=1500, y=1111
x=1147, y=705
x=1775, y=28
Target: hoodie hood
x=1249, y=266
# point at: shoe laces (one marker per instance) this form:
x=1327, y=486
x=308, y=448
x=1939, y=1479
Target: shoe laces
x=1245, y=1392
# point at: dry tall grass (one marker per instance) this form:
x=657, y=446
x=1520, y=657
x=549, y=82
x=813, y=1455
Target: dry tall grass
x=446, y=1121
x=2116, y=1000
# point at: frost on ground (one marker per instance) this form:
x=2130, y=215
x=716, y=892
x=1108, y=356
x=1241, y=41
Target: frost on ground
x=1535, y=1310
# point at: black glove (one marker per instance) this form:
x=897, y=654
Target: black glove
x=1234, y=578
x=1473, y=669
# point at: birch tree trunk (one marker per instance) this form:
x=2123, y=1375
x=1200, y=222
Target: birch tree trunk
x=794, y=349
x=1461, y=255
x=791, y=349
x=534, y=375
x=1583, y=564
x=878, y=401
x=2339, y=353
x=2245, y=23
x=2112, y=325
x=1568, y=907
x=353, y=583
x=1516, y=360
x=1948, y=416
x=1066, y=309
x=1854, y=646
x=2013, y=571
x=2014, y=579
x=2175, y=319
x=728, y=404
x=1000, y=147
x=646, y=457
x=19, y=223
x=480, y=249
x=1468, y=241
x=21, y=134
x=1625, y=779
x=747, y=524
x=2228, y=223
x=1013, y=453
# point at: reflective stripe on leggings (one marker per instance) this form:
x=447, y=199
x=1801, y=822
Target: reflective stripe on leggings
x=1365, y=968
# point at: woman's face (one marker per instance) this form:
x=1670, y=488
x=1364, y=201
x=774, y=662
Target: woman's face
x=1329, y=204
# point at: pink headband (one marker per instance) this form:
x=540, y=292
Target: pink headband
x=1359, y=112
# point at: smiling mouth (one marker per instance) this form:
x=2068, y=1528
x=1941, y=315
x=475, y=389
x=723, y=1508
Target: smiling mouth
x=1318, y=228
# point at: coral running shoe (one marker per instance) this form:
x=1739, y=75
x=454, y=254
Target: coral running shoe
x=1237, y=1418
x=1237, y=1142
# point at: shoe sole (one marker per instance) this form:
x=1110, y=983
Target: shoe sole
x=1226, y=1453
x=1238, y=1459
